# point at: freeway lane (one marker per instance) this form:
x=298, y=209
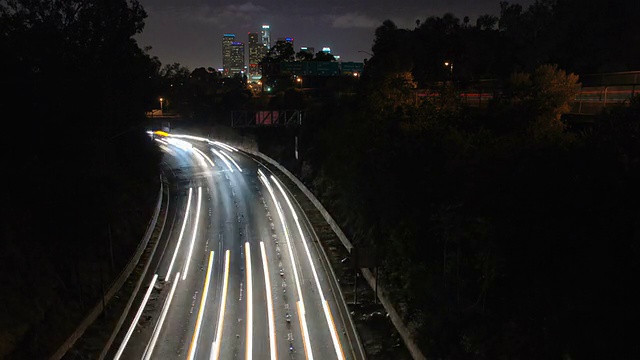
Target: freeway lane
x=239, y=275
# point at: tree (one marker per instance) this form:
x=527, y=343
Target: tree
x=324, y=56
x=304, y=56
x=72, y=71
x=282, y=51
x=546, y=95
x=486, y=22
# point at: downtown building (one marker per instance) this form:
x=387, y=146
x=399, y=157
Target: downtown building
x=227, y=40
x=237, y=59
x=265, y=36
x=256, y=53
x=287, y=40
x=232, y=56
x=308, y=49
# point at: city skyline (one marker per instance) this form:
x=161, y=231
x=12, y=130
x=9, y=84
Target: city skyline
x=188, y=32
x=236, y=60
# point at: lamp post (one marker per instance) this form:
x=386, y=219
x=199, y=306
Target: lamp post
x=299, y=79
x=161, y=100
x=449, y=64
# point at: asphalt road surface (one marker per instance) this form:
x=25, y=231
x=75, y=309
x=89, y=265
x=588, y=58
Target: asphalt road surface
x=238, y=274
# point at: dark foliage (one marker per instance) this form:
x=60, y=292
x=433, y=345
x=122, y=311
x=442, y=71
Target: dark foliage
x=580, y=36
x=81, y=176
x=501, y=234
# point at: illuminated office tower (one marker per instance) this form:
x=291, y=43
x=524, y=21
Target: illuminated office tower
x=287, y=39
x=227, y=40
x=308, y=50
x=236, y=65
x=256, y=53
x=265, y=35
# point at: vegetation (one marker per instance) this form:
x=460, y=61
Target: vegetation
x=81, y=177
x=501, y=232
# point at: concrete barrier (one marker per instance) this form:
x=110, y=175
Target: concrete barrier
x=114, y=288
x=395, y=318
x=134, y=293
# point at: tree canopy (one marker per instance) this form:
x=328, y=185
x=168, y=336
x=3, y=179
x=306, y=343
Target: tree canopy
x=75, y=86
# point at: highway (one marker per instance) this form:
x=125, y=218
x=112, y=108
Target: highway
x=238, y=273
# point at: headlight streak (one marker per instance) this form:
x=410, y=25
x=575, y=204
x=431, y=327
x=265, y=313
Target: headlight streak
x=136, y=318
x=167, y=149
x=223, y=159
x=156, y=331
x=198, y=138
x=195, y=233
x=184, y=145
x=233, y=161
x=334, y=334
x=267, y=285
x=184, y=225
x=190, y=137
x=203, y=301
x=249, y=299
x=230, y=148
x=203, y=156
x=301, y=309
x=216, y=343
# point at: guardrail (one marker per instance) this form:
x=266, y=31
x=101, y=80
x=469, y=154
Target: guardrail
x=115, y=286
x=134, y=293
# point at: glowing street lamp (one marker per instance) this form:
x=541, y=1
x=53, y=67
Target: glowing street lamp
x=450, y=65
x=299, y=79
x=161, y=100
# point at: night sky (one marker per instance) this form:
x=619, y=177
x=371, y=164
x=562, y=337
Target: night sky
x=189, y=32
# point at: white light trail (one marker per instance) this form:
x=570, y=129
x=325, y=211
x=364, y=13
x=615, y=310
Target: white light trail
x=223, y=145
x=223, y=159
x=184, y=225
x=233, y=161
x=203, y=301
x=303, y=322
x=184, y=145
x=195, y=232
x=156, y=331
x=136, y=318
x=167, y=149
x=191, y=137
x=205, y=157
x=267, y=285
x=249, y=341
x=334, y=334
x=216, y=344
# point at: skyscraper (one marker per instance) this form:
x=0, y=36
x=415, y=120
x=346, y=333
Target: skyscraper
x=265, y=34
x=236, y=65
x=287, y=39
x=256, y=53
x=227, y=40
x=308, y=50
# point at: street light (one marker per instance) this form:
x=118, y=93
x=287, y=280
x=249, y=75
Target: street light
x=450, y=65
x=299, y=79
x=161, y=100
